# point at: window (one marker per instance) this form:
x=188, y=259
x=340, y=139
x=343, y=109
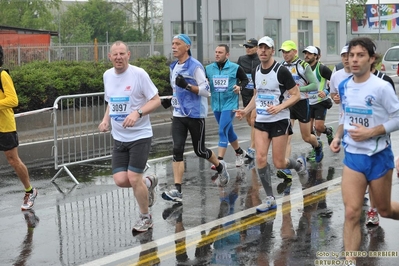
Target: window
x=272, y=29
x=392, y=55
x=332, y=37
x=189, y=28
x=305, y=37
x=233, y=32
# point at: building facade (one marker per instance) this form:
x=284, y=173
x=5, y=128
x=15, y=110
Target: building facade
x=307, y=22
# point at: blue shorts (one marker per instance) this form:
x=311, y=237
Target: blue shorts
x=374, y=166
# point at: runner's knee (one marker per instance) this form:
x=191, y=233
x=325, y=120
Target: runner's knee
x=178, y=154
x=352, y=214
x=206, y=155
x=385, y=211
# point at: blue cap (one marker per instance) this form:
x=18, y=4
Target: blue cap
x=185, y=39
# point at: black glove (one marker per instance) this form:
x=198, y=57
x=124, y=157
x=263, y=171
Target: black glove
x=166, y=103
x=181, y=82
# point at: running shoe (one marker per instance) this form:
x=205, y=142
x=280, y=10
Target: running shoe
x=250, y=157
x=372, y=218
x=251, y=153
x=173, y=195
x=330, y=134
x=319, y=152
x=29, y=200
x=267, y=204
x=250, y=165
x=284, y=187
x=143, y=224
x=284, y=174
x=31, y=219
x=311, y=156
x=240, y=158
x=224, y=176
x=151, y=195
x=302, y=172
x=172, y=213
x=330, y=173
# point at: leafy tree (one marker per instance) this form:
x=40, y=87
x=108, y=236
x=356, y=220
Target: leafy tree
x=32, y=14
x=132, y=35
x=355, y=9
x=93, y=19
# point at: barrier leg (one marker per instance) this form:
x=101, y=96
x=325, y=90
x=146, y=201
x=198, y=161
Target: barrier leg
x=68, y=172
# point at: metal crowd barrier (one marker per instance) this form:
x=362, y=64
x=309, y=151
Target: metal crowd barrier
x=77, y=139
x=76, y=136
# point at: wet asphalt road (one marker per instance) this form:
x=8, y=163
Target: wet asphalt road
x=91, y=223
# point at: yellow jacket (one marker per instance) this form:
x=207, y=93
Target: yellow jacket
x=8, y=100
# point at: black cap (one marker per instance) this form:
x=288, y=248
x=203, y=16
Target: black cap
x=251, y=43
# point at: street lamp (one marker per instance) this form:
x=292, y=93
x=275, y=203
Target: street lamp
x=182, y=16
x=200, y=50
x=220, y=20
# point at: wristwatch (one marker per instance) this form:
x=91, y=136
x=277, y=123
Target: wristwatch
x=140, y=112
x=189, y=87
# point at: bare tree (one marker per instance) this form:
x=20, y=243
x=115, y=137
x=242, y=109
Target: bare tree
x=141, y=11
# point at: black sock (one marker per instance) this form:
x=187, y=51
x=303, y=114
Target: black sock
x=219, y=168
x=239, y=151
x=178, y=187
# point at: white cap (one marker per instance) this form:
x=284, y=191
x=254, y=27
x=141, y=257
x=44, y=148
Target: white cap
x=266, y=40
x=344, y=49
x=311, y=49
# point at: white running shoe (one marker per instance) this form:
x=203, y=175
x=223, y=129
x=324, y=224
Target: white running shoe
x=269, y=203
x=372, y=218
x=224, y=176
x=29, y=200
x=143, y=224
x=173, y=195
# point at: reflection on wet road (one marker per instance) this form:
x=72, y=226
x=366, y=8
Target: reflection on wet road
x=226, y=230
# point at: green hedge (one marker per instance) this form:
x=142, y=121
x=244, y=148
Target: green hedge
x=39, y=83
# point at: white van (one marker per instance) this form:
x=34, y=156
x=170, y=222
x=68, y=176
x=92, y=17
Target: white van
x=390, y=61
